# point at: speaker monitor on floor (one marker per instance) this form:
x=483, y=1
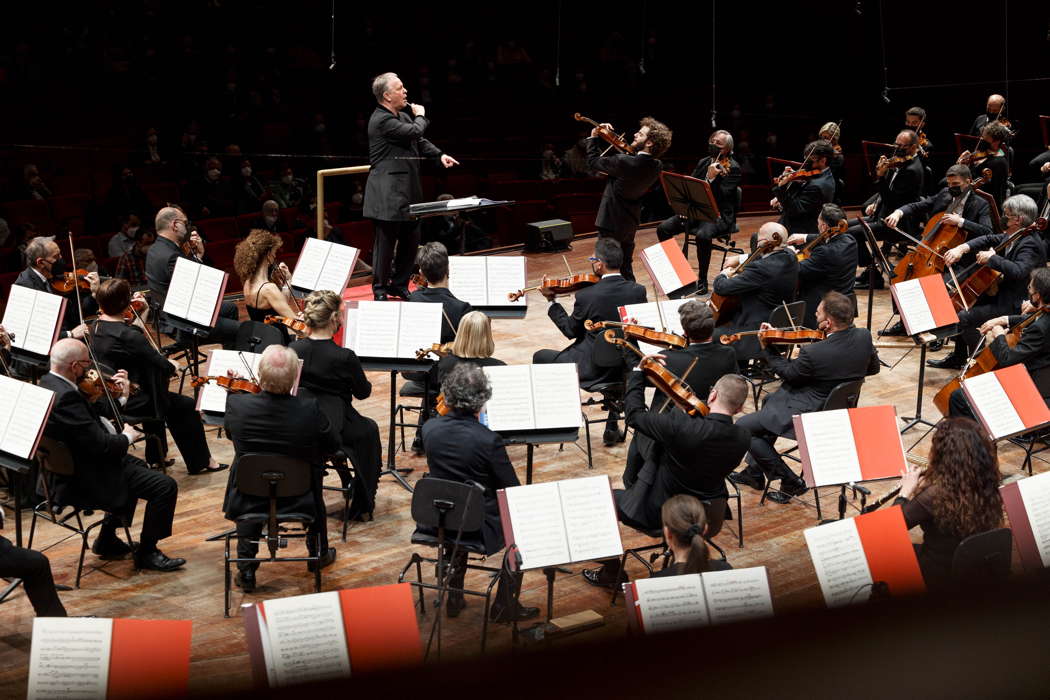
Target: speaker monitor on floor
x=549, y=235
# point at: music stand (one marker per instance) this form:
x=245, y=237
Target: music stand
x=531, y=438
x=689, y=197
x=922, y=340
x=195, y=332
x=880, y=261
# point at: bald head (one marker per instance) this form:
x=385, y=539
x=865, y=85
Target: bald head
x=995, y=104
x=65, y=352
x=769, y=230
x=278, y=368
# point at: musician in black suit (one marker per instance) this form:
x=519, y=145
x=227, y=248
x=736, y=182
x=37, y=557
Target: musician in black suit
x=630, y=177
x=700, y=364
x=459, y=448
x=994, y=138
x=333, y=375
x=724, y=186
x=275, y=422
x=123, y=345
x=897, y=186
x=831, y=263
x=1033, y=348
x=600, y=302
x=432, y=260
x=993, y=109
x=173, y=231
x=395, y=147
x=46, y=261
x=845, y=355
x=34, y=570
x=105, y=475
x=800, y=201
x=1015, y=263
x=762, y=285
x=915, y=120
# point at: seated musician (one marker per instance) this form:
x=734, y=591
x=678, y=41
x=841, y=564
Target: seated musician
x=45, y=262
x=275, y=422
x=34, y=570
x=253, y=261
x=830, y=265
x=801, y=200
x=960, y=206
x=599, y=302
x=994, y=137
x=762, y=285
x=459, y=448
x=831, y=132
x=1015, y=263
x=700, y=365
x=955, y=497
x=724, y=185
x=845, y=355
x=898, y=186
x=915, y=120
x=994, y=108
x=684, y=522
x=1032, y=349
x=123, y=345
x=473, y=344
x=105, y=475
x=333, y=375
x=696, y=454
x=432, y=260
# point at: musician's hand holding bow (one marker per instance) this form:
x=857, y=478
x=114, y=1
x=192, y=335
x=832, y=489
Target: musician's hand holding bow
x=80, y=332
x=870, y=209
x=775, y=204
x=120, y=378
x=953, y=219
x=985, y=255
x=131, y=434
x=93, y=281
x=714, y=170
x=910, y=476
x=796, y=239
x=894, y=218
x=953, y=255
x=196, y=244
x=997, y=322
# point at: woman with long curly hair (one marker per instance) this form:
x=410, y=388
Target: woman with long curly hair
x=956, y=496
x=252, y=261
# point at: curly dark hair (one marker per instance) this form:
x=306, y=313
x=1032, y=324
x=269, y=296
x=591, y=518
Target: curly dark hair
x=250, y=252
x=963, y=477
x=659, y=134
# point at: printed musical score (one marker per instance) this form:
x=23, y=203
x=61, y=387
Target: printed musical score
x=737, y=594
x=195, y=292
x=838, y=557
x=1035, y=494
x=69, y=659
x=34, y=318
x=307, y=641
x=324, y=265
x=831, y=447
x=24, y=409
x=671, y=603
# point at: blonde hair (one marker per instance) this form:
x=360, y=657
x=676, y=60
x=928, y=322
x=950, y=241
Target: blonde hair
x=250, y=252
x=474, y=336
x=320, y=307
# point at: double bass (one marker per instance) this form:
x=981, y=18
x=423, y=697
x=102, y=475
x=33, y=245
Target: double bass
x=722, y=307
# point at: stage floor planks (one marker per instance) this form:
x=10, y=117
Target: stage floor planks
x=375, y=551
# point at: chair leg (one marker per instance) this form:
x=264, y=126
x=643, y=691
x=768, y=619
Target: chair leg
x=740, y=521
x=816, y=497
x=587, y=435
x=317, y=571
x=226, y=590
x=346, y=512
x=32, y=529
x=83, y=551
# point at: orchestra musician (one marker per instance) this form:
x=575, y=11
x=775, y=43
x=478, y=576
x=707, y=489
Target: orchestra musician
x=432, y=259
x=994, y=137
x=1015, y=263
x=684, y=523
x=1033, y=348
x=915, y=120
x=120, y=344
x=630, y=177
x=395, y=147
x=34, y=570
x=845, y=355
x=46, y=262
x=105, y=475
x=830, y=265
x=334, y=376
x=994, y=108
x=459, y=448
x=473, y=344
x=254, y=260
x=599, y=302
x=831, y=132
x=724, y=184
x=801, y=201
x=275, y=422
x=763, y=285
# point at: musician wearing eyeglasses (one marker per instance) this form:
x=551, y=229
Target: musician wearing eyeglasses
x=830, y=264
x=800, y=200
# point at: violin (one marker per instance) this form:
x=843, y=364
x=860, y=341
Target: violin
x=640, y=333
x=293, y=324
x=895, y=161
x=807, y=251
x=283, y=280
x=777, y=336
x=976, y=158
x=439, y=349
x=722, y=307
x=69, y=280
x=94, y=385
x=663, y=379
x=607, y=135
x=924, y=143
x=135, y=309
x=788, y=178
x=442, y=408
x=234, y=385
x=564, y=285
x=419, y=280
x=978, y=279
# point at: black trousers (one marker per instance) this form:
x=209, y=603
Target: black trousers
x=959, y=405
x=186, y=429
x=506, y=590
x=703, y=232
x=404, y=235
x=882, y=233
x=626, y=241
x=763, y=460
x=35, y=571
x=159, y=491
x=364, y=447
x=249, y=532
x=970, y=320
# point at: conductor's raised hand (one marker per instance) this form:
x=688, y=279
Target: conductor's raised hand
x=448, y=161
x=418, y=110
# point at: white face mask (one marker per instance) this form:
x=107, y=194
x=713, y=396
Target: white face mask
x=246, y=172
x=132, y=230
x=214, y=173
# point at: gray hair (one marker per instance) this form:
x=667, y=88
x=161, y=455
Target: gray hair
x=65, y=351
x=37, y=248
x=729, y=138
x=466, y=388
x=380, y=84
x=1023, y=206
x=278, y=368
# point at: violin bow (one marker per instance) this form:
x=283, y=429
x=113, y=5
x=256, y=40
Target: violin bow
x=567, y=266
x=247, y=366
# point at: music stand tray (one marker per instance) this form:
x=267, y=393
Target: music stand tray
x=531, y=438
x=424, y=210
x=690, y=198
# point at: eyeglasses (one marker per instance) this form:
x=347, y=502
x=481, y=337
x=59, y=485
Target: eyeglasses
x=593, y=259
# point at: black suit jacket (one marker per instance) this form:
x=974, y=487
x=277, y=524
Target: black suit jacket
x=832, y=266
x=281, y=424
x=802, y=201
x=1016, y=264
x=977, y=220
x=120, y=346
x=696, y=455
x=395, y=146
x=724, y=188
x=334, y=376
x=899, y=187
x=29, y=278
x=454, y=308
x=844, y=356
x=762, y=286
x=599, y=302
x=160, y=264
x=446, y=363
x=98, y=456
x=1033, y=351
x=630, y=177
x=459, y=448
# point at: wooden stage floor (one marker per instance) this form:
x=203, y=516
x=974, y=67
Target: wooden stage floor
x=375, y=552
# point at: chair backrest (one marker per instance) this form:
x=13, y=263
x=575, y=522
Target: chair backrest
x=779, y=318
x=256, y=471
x=984, y=557
x=462, y=504
x=253, y=336
x=845, y=395
x=606, y=355
x=55, y=457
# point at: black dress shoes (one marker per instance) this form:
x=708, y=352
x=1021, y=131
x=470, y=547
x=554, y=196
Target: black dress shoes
x=210, y=470
x=398, y=292
x=863, y=279
x=455, y=604
x=111, y=547
x=950, y=362
x=326, y=560
x=742, y=478
x=701, y=289
x=157, y=561
x=520, y=613
x=245, y=580
x=897, y=329
x=380, y=295
x=788, y=488
x=602, y=578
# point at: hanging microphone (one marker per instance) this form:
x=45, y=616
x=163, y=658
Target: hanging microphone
x=886, y=95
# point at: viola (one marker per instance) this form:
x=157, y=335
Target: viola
x=94, y=385
x=609, y=136
x=788, y=178
x=419, y=280
x=777, y=336
x=293, y=324
x=723, y=307
x=135, y=309
x=564, y=285
x=640, y=333
x=807, y=251
x=234, y=385
x=663, y=379
x=442, y=408
x=439, y=349
x=978, y=279
x=69, y=280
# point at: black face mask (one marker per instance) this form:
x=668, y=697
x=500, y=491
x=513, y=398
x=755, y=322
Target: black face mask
x=713, y=150
x=955, y=191
x=58, y=268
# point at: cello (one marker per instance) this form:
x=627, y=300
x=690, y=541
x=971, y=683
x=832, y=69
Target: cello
x=722, y=307
x=663, y=379
x=971, y=283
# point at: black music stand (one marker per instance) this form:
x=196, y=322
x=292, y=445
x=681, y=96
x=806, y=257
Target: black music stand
x=922, y=340
x=883, y=265
x=425, y=210
x=33, y=365
x=531, y=438
x=195, y=333
x=689, y=197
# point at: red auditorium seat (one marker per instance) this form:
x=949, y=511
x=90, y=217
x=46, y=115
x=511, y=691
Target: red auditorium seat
x=582, y=223
x=68, y=206
x=565, y=205
x=23, y=210
x=359, y=234
x=333, y=211
x=6, y=280
x=161, y=193
x=221, y=254
x=244, y=224
x=219, y=229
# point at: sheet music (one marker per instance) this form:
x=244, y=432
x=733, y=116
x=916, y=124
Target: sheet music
x=647, y=315
x=376, y=331
x=737, y=594
x=18, y=312
x=506, y=275
x=511, y=405
x=536, y=518
x=308, y=266
x=992, y=405
x=1035, y=494
x=180, y=289
x=831, y=446
x=914, y=309
x=69, y=659
x=420, y=327
x=23, y=412
x=468, y=279
x=663, y=272
x=206, y=295
x=212, y=396
x=842, y=568
x=324, y=265
x=462, y=203
x=556, y=396
x=32, y=316
x=591, y=527
x=307, y=638
x=350, y=325
x=671, y=603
